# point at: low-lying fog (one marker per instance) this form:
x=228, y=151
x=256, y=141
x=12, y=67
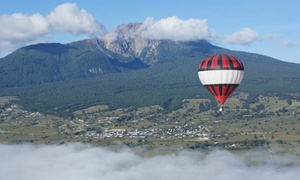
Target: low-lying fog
x=81, y=161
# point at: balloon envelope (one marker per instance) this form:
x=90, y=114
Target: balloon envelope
x=221, y=74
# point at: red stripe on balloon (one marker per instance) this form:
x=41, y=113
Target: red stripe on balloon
x=225, y=62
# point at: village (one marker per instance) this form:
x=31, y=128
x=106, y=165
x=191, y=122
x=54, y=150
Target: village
x=17, y=110
x=106, y=127
x=175, y=132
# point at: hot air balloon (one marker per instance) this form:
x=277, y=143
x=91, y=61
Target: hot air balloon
x=221, y=74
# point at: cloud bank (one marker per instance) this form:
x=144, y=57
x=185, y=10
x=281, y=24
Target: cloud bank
x=21, y=29
x=79, y=161
x=176, y=29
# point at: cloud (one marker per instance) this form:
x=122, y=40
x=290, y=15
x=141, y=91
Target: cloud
x=110, y=36
x=269, y=37
x=290, y=43
x=69, y=18
x=176, y=29
x=243, y=37
x=20, y=26
x=81, y=161
x=21, y=29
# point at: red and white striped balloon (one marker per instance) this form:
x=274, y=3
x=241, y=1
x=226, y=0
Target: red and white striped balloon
x=221, y=74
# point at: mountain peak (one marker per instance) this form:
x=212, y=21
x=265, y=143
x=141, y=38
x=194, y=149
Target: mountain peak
x=123, y=32
x=127, y=41
x=128, y=27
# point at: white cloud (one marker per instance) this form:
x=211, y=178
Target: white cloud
x=110, y=36
x=19, y=26
x=176, y=29
x=243, y=37
x=20, y=29
x=69, y=18
x=291, y=43
x=79, y=161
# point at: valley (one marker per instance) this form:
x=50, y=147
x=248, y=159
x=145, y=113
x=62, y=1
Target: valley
x=268, y=123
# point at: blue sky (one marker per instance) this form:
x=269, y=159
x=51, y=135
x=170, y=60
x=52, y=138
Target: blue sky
x=265, y=27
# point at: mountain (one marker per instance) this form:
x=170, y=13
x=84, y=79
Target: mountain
x=125, y=69
x=40, y=63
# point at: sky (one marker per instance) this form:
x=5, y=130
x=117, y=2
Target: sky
x=269, y=28
x=82, y=161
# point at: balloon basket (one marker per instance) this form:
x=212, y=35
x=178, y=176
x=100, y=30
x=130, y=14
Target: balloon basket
x=221, y=109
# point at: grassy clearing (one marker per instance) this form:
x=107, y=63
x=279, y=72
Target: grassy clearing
x=15, y=128
x=6, y=99
x=92, y=109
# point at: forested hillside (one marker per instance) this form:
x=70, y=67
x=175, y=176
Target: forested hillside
x=41, y=63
